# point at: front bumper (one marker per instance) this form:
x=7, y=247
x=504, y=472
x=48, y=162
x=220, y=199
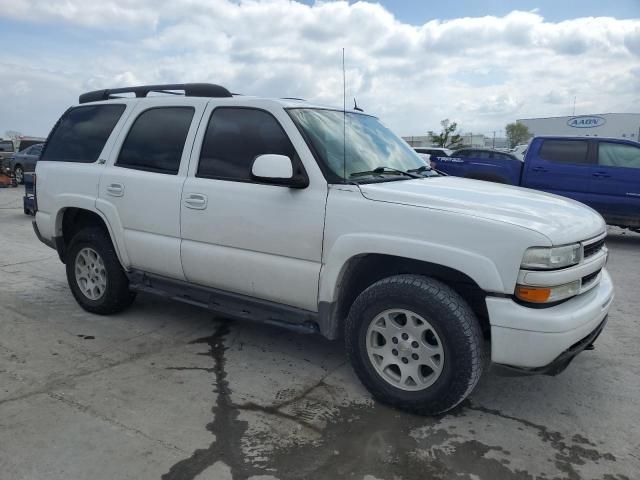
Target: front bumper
x=534, y=339
x=562, y=361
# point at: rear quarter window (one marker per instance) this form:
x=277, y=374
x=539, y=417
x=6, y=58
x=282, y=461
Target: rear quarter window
x=564, y=151
x=81, y=133
x=6, y=146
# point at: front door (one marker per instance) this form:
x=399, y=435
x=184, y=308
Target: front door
x=142, y=183
x=259, y=240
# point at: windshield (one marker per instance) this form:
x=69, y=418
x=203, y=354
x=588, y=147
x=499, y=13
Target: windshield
x=372, y=151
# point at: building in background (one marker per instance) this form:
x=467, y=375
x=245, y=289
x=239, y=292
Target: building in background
x=497, y=142
x=615, y=125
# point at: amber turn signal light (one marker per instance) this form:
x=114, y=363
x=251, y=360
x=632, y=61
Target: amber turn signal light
x=533, y=294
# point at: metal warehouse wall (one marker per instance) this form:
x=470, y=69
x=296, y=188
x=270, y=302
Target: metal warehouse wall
x=616, y=125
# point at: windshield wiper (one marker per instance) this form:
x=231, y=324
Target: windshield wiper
x=425, y=171
x=423, y=168
x=380, y=170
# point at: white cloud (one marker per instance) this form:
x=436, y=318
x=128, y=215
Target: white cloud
x=482, y=72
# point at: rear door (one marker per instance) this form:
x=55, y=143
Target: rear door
x=142, y=182
x=561, y=166
x=615, y=185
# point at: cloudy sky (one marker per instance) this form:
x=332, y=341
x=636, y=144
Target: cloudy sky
x=412, y=63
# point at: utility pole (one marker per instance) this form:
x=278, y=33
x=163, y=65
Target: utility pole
x=574, y=105
x=494, y=140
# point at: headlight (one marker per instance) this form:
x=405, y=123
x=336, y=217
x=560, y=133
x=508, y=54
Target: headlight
x=550, y=258
x=547, y=294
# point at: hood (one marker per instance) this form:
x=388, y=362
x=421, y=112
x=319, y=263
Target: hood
x=560, y=219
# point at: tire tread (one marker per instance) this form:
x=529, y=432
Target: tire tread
x=468, y=332
x=118, y=296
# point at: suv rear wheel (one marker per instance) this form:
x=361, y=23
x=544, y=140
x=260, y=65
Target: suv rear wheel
x=95, y=276
x=415, y=344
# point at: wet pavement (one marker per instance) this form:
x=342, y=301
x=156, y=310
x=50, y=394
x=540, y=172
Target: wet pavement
x=169, y=391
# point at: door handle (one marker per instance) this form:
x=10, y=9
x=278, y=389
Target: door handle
x=197, y=201
x=601, y=174
x=539, y=169
x=115, y=189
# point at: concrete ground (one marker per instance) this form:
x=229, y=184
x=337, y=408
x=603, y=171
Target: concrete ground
x=168, y=391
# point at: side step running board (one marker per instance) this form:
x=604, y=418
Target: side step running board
x=225, y=303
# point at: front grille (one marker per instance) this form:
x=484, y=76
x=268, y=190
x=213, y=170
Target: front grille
x=587, y=279
x=593, y=248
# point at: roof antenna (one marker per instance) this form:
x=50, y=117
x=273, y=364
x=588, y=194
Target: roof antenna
x=344, y=120
x=355, y=106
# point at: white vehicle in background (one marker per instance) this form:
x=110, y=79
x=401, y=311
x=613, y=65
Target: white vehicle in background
x=281, y=211
x=437, y=151
x=520, y=150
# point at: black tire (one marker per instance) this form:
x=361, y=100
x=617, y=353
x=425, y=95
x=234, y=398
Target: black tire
x=453, y=321
x=116, y=296
x=18, y=172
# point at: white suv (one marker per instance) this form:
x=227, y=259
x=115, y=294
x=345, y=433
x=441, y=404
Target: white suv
x=320, y=220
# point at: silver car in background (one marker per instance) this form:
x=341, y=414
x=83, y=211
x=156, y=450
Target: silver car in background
x=24, y=161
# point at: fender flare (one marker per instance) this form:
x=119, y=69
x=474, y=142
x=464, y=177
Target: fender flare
x=480, y=269
x=114, y=228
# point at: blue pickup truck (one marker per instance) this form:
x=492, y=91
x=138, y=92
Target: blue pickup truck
x=603, y=173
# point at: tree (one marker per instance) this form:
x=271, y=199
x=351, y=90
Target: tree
x=448, y=138
x=12, y=134
x=517, y=133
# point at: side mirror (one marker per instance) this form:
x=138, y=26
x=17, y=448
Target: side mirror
x=276, y=170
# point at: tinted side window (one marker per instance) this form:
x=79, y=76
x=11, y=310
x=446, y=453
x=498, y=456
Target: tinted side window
x=462, y=153
x=235, y=137
x=481, y=154
x=618, y=155
x=156, y=140
x=564, y=151
x=24, y=144
x=81, y=133
x=502, y=156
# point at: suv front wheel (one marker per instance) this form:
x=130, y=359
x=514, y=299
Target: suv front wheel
x=96, y=278
x=415, y=344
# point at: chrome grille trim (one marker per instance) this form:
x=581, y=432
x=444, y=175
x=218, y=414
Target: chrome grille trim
x=593, y=246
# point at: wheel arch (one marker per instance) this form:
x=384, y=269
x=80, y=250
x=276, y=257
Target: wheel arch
x=365, y=269
x=70, y=220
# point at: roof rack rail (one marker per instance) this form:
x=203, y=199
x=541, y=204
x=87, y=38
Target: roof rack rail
x=190, y=90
